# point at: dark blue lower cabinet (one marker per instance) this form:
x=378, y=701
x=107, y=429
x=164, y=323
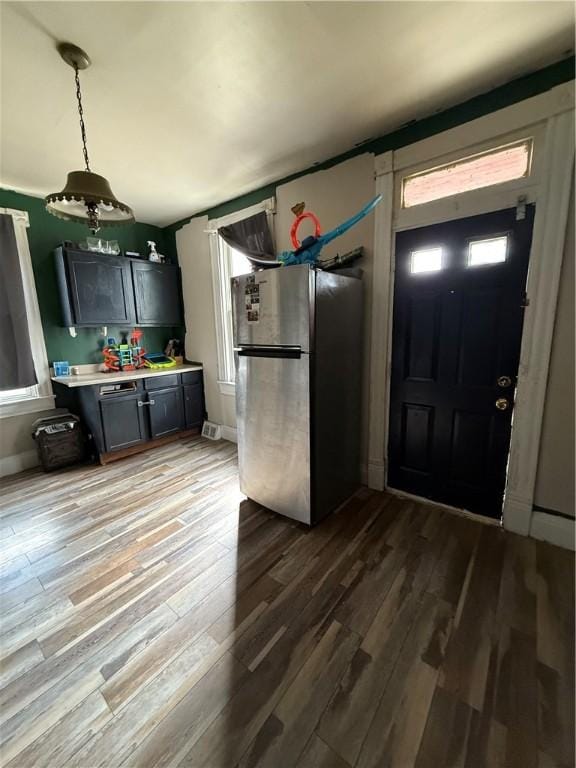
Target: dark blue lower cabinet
x=123, y=421
x=193, y=405
x=143, y=410
x=165, y=410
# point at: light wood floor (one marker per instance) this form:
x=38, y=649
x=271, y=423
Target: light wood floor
x=153, y=618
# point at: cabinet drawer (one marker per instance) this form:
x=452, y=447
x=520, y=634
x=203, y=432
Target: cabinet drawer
x=117, y=389
x=192, y=377
x=162, y=382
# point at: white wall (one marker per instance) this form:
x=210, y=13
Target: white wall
x=17, y=449
x=555, y=478
x=333, y=195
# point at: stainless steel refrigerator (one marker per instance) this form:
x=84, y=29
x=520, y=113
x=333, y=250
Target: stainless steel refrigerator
x=298, y=352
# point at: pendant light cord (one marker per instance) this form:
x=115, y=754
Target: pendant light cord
x=81, y=113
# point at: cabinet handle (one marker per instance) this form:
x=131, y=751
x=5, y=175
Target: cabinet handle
x=141, y=403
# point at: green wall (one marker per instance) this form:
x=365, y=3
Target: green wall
x=44, y=234
x=498, y=98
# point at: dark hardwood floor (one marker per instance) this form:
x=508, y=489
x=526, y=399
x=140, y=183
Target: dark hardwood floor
x=151, y=617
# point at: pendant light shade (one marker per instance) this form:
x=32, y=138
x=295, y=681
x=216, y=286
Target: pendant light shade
x=87, y=197
x=85, y=191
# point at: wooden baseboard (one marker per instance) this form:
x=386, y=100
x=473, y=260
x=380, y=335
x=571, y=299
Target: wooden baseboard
x=107, y=458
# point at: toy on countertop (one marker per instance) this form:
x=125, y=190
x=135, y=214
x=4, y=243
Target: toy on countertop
x=158, y=360
x=124, y=356
x=308, y=251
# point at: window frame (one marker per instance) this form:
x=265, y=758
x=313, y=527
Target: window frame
x=468, y=158
x=41, y=397
x=412, y=161
x=502, y=236
x=221, y=273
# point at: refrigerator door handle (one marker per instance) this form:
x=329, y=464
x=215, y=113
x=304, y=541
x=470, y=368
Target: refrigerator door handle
x=261, y=351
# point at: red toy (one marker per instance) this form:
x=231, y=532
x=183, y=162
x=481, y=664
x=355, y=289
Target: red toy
x=124, y=357
x=297, y=221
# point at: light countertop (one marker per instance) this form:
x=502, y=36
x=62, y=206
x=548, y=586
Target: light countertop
x=97, y=377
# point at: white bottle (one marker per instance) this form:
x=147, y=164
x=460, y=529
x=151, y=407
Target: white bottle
x=152, y=253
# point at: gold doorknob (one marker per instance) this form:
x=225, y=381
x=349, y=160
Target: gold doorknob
x=504, y=381
x=502, y=403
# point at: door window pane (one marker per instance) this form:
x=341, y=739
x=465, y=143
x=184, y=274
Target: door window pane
x=483, y=170
x=491, y=251
x=426, y=260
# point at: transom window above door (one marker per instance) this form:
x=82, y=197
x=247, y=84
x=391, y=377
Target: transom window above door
x=486, y=169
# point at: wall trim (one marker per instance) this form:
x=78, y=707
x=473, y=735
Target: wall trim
x=17, y=215
x=18, y=462
x=376, y=475
x=229, y=433
x=382, y=286
x=30, y=405
x=554, y=529
x=549, y=511
x=542, y=289
x=35, y=330
x=227, y=388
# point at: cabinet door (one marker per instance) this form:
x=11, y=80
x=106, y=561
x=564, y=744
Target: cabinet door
x=193, y=404
x=166, y=411
x=100, y=289
x=157, y=293
x=123, y=421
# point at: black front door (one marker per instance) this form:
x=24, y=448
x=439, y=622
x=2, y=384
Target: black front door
x=457, y=327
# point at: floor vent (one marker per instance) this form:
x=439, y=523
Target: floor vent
x=211, y=431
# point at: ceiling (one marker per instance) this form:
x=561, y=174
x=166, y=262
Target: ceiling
x=191, y=104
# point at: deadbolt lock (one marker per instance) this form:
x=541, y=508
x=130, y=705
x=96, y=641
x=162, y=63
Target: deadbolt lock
x=504, y=381
x=502, y=403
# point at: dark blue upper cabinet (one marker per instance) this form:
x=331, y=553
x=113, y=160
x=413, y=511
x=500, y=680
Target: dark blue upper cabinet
x=157, y=293
x=97, y=289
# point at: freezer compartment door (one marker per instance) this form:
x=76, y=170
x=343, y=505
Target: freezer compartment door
x=273, y=422
x=273, y=307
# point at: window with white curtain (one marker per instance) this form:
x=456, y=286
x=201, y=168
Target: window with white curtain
x=226, y=264
x=232, y=263
x=38, y=397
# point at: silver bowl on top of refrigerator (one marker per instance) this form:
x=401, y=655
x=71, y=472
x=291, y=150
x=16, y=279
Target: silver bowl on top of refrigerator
x=298, y=353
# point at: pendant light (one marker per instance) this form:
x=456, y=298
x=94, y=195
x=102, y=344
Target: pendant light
x=87, y=197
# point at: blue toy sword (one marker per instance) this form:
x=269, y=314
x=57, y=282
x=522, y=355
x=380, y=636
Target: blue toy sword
x=311, y=246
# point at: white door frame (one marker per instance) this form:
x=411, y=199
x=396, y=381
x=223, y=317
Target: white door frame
x=549, y=117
